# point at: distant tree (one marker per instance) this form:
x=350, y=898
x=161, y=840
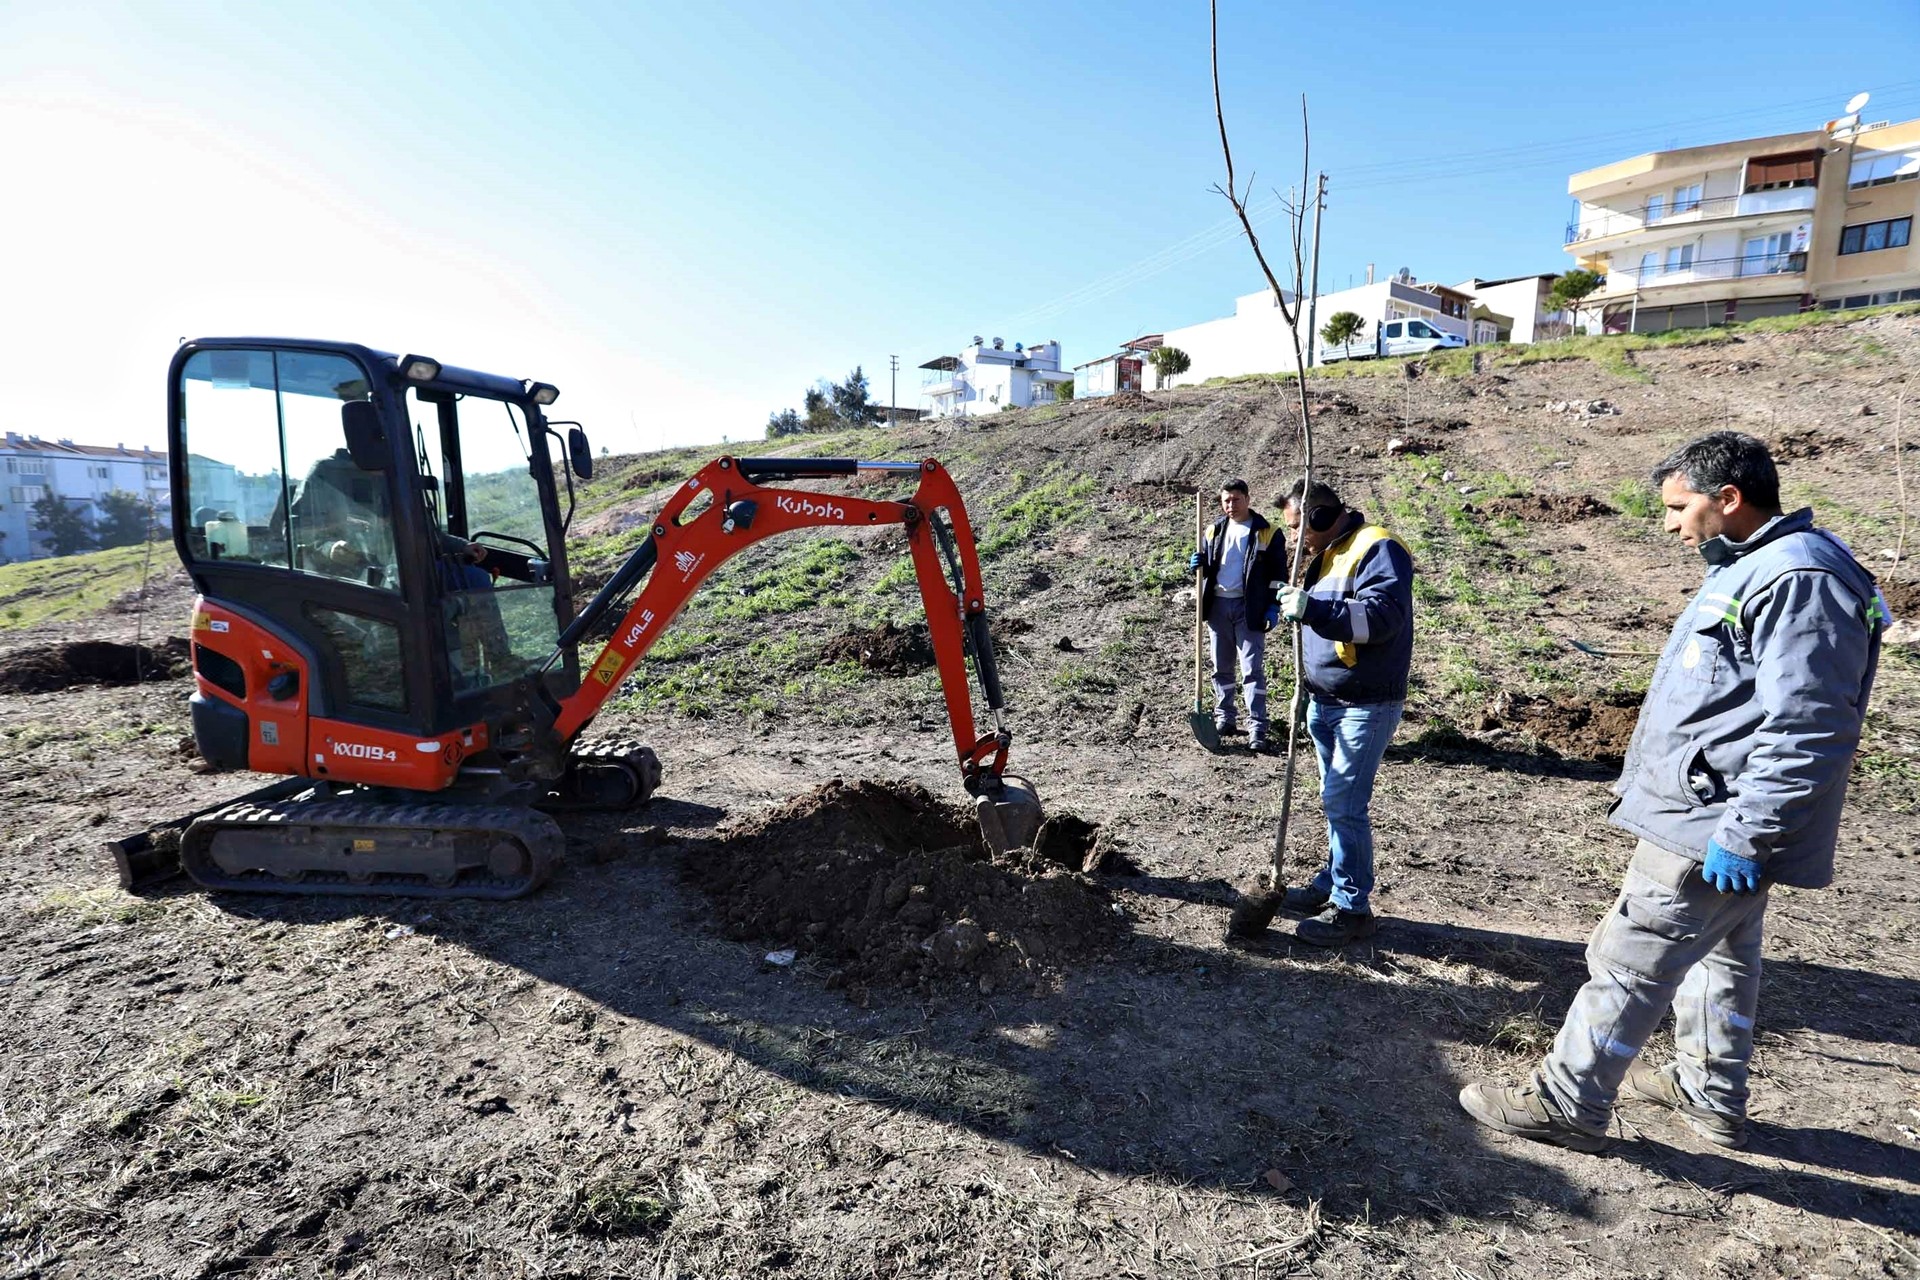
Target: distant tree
x=1168, y=362
x=1063, y=391
x=126, y=519
x=784, y=423
x=850, y=400
x=66, y=527
x=1341, y=328
x=818, y=408
x=1571, y=289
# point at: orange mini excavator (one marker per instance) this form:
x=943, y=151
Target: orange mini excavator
x=384, y=615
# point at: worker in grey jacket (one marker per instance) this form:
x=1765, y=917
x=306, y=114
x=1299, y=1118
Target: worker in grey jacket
x=1733, y=783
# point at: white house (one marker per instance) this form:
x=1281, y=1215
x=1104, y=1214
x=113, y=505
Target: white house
x=1380, y=301
x=988, y=378
x=1251, y=340
x=80, y=474
x=1524, y=298
x=1125, y=370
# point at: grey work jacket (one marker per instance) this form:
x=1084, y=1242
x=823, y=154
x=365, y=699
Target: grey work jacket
x=1749, y=727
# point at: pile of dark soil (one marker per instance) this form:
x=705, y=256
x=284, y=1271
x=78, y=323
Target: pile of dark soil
x=1571, y=727
x=892, y=887
x=1155, y=493
x=1133, y=431
x=1807, y=442
x=1902, y=597
x=1550, y=508
x=888, y=648
x=48, y=668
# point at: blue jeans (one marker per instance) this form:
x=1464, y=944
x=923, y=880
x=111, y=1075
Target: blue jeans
x=1349, y=742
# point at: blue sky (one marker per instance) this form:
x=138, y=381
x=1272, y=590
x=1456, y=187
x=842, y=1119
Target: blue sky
x=684, y=214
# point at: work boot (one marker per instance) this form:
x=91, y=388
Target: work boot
x=1261, y=745
x=1336, y=928
x=1304, y=900
x=1527, y=1112
x=1226, y=730
x=1661, y=1085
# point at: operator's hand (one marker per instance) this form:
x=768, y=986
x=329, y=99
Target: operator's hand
x=1194, y=562
x=1293, y=604
x=1729, y=872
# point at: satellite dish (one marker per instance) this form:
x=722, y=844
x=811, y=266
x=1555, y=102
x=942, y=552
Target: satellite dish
x=1857, y=101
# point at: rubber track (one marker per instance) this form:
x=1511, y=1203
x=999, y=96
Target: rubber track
x=346, y=819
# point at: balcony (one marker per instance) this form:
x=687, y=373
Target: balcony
x=1623, y=279
x=1649, y=217
x=944, y=383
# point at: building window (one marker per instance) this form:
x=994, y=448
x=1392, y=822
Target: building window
x=1769, y=173
x=1878, y=170
x=1649, y=265
x=1679, y=258
x=1656, y=208
x=1866, y=237
x=1687, y=198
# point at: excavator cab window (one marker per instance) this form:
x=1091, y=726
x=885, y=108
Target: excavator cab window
x=270, y=480
x=498, y=598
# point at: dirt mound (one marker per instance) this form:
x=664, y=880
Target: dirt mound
x=1575, y=728
x=892, y=887
x=1133, y=431
x=1550, y=508
x=887, y=648
x=1903, y=598
x=1807, y=442
x=47, y=668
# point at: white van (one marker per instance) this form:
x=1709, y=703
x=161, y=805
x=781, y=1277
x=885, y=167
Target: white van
x=1402, y=337
x=1415, y=337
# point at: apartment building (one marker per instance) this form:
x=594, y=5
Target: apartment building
x=987, y=379
x=79, y=474
x=1738, y=230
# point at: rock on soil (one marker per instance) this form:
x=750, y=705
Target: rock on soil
x=1550, y=508
x=1576, y=728
x=892, y=887
x=1808, y=442
x=47, y=668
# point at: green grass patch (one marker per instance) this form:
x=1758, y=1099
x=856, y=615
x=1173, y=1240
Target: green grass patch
x=1033, y=509
x=37, y=591
x=801, y=578
x=1635, y=500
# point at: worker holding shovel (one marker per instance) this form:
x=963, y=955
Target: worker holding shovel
x=1355, y=607
x=1242, y=563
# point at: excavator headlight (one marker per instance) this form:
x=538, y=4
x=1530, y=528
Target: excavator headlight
x=544, y=392
x=420, y=368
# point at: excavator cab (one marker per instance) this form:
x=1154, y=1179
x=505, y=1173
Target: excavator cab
x=379, y=550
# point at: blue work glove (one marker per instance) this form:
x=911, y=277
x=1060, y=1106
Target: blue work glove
x=1729, y=872
x=1273, y=616
x=1293, y=604
x=1193, y=563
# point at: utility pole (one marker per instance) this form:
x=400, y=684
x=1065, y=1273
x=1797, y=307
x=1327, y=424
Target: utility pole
x=1313, y=302
x=893, y=391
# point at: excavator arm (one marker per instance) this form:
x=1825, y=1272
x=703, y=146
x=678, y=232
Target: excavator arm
x=727, y=506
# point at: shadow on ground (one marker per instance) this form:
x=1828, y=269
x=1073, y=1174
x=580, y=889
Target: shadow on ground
x=1170, y=1062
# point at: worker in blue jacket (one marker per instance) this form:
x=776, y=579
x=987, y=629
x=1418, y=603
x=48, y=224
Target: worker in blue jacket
x=1733, y=783
x=1355, y=607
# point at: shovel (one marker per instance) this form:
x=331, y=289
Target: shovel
x=1200, y=719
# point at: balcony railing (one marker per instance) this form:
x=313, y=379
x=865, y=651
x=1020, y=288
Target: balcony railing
x=1656, y=274
x=1613, y=223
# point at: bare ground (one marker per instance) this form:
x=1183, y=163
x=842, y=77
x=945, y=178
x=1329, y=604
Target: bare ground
x=611, y=1079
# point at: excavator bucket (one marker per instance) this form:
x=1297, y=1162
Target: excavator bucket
x=1009, y=813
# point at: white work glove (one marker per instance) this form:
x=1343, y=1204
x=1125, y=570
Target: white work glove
x=1293, y=604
